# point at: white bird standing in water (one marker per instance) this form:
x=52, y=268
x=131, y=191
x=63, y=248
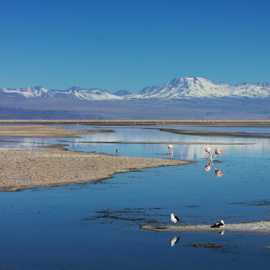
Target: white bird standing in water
x=174, y=219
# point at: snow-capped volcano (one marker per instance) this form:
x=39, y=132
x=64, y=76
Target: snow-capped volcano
x=178, y=88
x=186, y=87
x=198, y=87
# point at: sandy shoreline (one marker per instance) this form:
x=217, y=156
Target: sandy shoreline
x=22, y=169
x=245, y=227
x=166, y=142
x=36, y=131
x=40, y=131
x=141, y=122
x=216, y=133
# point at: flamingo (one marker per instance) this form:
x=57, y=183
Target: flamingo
x=170, y=147
x=218, y=151
x=207, y=149
x=210, y=162
x=170, y=150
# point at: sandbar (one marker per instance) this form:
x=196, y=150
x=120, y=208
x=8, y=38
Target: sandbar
x=36, y=131
x=147, y=122
x=244, y=227
x=21, y=130
x=209, y=133
x=24, y=168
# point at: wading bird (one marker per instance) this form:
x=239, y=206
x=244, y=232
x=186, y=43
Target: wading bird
x=174, y=219
x=211, y=161
x=170, y=146
x=219, y=224
x=207, y=149
x=170, y=150
x=218, y=151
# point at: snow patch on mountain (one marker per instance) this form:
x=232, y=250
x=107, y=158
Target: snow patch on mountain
x=95, y=94
x=81, y=94
x=27, y=92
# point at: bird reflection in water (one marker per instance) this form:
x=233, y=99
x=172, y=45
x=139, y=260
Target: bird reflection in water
x=212, y=154
x=219, y=173
x=170, y=150
x=174, y=241
x=222, y=233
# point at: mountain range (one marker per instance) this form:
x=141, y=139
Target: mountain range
x=180, y=98
x=178, y=88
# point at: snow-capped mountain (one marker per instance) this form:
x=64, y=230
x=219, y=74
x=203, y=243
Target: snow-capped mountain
x=178, y=88
x=92, y=94
x=198, y=87
x=74, y=92
x=29, y=92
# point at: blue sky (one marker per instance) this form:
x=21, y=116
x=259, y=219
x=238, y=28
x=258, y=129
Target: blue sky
x=117, y=44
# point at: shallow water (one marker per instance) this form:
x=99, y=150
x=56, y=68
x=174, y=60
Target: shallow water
x=96, y=226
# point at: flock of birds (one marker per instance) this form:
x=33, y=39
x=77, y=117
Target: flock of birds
x=219, y=224
x=212, y=154
x=175, y=220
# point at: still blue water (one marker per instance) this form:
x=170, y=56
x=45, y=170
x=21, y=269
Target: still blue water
x=62, y=228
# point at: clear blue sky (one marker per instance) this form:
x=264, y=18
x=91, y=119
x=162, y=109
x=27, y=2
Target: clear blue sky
x=129, y=44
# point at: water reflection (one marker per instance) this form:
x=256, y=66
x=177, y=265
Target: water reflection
x=138, y=141
x=211, y=161
x=79, y=217
x=174, y=241
x=170, y=150
x=219, y=173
